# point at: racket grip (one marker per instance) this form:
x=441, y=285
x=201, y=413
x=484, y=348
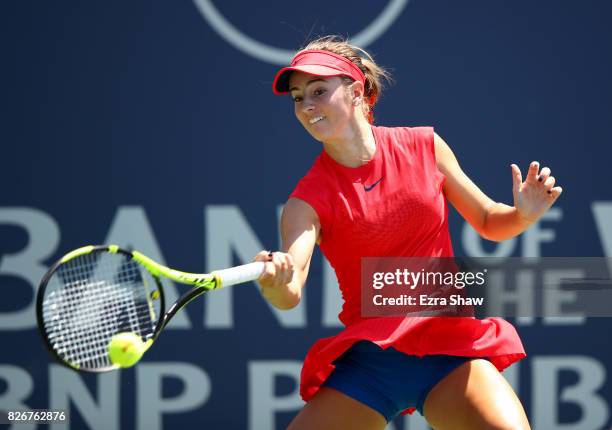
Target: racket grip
x=240, y=274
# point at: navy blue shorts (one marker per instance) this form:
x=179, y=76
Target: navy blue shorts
x=387, y=380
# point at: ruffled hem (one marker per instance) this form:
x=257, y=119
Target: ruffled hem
x=491, y=338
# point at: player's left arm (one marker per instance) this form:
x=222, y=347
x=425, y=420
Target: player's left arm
x=492, y=220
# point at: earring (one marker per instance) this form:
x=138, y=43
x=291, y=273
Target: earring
x=357, y=101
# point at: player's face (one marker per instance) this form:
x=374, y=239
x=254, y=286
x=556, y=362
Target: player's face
x=322, y=105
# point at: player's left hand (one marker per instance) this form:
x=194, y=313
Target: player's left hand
x=537, y=194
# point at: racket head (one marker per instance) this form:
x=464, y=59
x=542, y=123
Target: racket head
x=90, y=295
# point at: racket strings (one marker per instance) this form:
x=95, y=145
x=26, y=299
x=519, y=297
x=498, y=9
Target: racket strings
x=86, y=323
x=91, y=299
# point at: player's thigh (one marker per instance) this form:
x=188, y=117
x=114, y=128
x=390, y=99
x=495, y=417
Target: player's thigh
x=474, y=396
x=331, y=410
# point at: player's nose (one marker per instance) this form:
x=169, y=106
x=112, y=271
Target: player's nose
x=307, y=105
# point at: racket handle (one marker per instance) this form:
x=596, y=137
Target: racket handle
x=240, y=274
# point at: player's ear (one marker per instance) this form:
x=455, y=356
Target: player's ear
x=357, y=92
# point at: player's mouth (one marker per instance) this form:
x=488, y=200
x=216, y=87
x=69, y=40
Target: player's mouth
x=316, y=119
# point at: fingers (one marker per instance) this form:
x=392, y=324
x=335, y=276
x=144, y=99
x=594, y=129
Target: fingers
x=544, y=174
x=544, y=180
x=532, y=173
x=283, y=267
x=555, y=192
x=549, y=183
x=263, y=256
x=517, y=180
x=517, y=177
x=278, y=270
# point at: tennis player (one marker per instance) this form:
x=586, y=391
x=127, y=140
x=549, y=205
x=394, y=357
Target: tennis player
x=379, y=191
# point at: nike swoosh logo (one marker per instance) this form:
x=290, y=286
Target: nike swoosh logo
x=365, y=187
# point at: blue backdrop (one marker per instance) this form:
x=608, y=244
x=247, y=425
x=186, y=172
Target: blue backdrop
x=152, y=125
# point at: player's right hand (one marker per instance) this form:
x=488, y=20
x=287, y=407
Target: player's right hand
x=278, y=269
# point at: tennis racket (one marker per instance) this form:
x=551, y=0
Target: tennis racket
x=96, y=292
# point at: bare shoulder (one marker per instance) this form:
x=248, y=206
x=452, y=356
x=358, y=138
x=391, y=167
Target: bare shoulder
x=445, y=158
x=298, y=216
x=298, y=208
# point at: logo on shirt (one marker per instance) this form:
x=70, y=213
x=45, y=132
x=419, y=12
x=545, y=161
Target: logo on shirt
x=369, y=188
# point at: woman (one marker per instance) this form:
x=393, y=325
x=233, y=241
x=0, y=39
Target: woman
x=378, y=191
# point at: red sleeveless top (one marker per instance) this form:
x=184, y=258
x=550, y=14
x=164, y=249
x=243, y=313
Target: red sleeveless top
x=392, y=206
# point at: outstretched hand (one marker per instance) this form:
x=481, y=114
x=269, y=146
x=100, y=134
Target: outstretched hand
x=537, y=194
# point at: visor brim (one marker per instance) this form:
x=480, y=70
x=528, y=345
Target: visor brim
x=280, y=85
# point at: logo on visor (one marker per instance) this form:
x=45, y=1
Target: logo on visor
x=274, y=55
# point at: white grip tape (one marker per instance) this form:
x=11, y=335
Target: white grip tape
x=240, y=274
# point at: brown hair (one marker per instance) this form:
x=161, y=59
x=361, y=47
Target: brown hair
x=374, y=74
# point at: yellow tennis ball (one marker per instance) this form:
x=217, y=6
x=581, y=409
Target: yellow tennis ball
x=125, y=349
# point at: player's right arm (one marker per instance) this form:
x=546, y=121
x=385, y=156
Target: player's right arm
x=286, y=272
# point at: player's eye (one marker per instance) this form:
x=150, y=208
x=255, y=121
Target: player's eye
x=319, y=91
x=297, y=99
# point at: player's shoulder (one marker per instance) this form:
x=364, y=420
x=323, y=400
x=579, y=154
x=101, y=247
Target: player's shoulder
x=317, y=178
x=314, y=188
x=317, y=170
x=405, y=135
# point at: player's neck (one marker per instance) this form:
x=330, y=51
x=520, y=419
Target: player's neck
x=355, y=147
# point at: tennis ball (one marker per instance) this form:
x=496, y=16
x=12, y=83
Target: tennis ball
x=125, y=349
